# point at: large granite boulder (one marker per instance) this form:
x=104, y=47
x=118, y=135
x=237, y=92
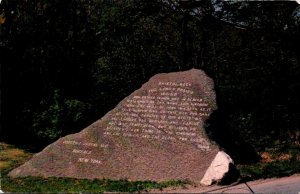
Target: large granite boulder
x=156, y=133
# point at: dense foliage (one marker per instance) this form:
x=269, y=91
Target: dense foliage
x=64, y=64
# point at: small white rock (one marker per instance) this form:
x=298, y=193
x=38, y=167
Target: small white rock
x=217, y=169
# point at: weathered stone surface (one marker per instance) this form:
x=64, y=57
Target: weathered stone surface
x=218, y=169
x=157, y=133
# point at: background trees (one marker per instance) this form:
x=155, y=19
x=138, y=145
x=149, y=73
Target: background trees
x=66, y=63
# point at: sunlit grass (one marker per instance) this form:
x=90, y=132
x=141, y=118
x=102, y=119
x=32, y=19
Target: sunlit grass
x=11, y=156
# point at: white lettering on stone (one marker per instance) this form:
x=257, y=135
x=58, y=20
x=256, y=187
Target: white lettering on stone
x=89, y=160
x=169, y=112
x=78, y=151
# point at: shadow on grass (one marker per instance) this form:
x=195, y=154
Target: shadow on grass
x=269, y=170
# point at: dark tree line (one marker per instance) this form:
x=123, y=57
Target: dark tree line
x=64, y=64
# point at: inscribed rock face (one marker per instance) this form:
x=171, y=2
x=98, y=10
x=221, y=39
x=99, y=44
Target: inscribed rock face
x=156, y=133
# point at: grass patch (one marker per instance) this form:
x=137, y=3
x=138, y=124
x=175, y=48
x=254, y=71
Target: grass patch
x=269, y=170
x=275, y=163
x=11, y=157
x=53, y=184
